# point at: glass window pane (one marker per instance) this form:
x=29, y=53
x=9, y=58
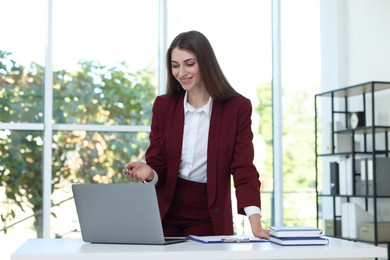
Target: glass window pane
x=88, y=157
x=22, y=48
x=105, y=61
x=100, y=95
x=21, y=183
x=300, y=34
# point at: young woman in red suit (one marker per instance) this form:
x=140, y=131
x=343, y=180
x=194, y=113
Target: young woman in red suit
x=200, y=137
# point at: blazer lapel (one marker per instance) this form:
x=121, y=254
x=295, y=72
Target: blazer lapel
x=212, y=152
x=177, y=134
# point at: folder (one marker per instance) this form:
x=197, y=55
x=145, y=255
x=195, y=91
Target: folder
x=226, y=239
x=382, y=176
x=345, y=220
x=334, y=178
x=346, y=182
x=352, y=216
x=363, y=177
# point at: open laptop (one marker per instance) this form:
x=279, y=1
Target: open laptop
x=120, y=214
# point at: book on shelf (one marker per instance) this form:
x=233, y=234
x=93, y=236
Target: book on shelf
x=299, y=241
x=295, y=231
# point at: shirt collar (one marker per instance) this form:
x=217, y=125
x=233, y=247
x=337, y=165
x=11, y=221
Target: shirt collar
x=206, y=108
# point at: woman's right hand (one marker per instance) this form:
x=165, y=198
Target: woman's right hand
x=138, y=171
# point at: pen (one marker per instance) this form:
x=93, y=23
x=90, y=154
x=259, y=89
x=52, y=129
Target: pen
x=234, y=240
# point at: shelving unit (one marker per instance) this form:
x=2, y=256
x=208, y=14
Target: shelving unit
x=352, y=163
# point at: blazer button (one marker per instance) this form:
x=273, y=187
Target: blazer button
x=217, y=210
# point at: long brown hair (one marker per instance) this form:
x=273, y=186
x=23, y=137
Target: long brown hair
x=213, y=78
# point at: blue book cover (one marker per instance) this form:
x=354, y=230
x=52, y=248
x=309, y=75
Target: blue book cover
x=299, y=241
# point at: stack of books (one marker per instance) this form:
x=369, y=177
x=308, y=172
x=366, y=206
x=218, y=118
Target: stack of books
x=297, y=235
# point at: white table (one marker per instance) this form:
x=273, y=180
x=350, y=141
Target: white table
x=75, y=249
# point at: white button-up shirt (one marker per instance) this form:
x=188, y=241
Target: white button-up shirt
x=193, y=164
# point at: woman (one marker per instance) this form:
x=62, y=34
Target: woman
x=200, y=136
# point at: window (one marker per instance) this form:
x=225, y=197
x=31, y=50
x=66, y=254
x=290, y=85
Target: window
x=104, y=63
x=300, y=82
x=21, y=101
x=22, y=55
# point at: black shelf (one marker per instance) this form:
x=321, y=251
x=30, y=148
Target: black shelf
x=342, y=103
x=359, y=89
x=355, y=196
x=364, y=130
x=377, y=152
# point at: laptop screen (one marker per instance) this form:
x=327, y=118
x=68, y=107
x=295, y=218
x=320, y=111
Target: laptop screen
x=118, y=213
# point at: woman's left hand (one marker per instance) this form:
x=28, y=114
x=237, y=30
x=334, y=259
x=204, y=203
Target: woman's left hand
x=257, y=229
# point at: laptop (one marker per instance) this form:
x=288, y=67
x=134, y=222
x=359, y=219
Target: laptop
x=120, y=214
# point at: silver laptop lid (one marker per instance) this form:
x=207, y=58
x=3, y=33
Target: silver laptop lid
x=118, y=213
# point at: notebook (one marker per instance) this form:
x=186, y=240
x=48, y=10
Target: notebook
x=120, y=214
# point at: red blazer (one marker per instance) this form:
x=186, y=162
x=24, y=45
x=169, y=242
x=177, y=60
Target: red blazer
x=230, y=153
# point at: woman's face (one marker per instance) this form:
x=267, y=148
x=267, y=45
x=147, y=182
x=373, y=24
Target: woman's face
x=185, y=69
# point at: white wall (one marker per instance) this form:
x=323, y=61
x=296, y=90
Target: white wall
x=368, y=40
x=355, y=40
x=355, y=48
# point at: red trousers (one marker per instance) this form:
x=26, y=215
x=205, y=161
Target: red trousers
x=188, y=214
